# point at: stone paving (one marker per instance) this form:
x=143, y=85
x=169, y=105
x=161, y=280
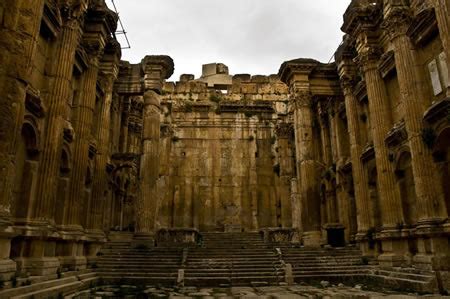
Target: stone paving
x=268, y=292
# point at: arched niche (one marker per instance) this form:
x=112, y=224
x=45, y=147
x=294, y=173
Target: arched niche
x=27, y=157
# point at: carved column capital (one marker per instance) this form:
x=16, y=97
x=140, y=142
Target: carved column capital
x=72, y=12
x=397, y=21
x=300, y=99
x=368, y=57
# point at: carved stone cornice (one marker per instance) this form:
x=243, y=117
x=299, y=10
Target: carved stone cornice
x=440, y=110
x=423, y=27
x=81, y=60
x=386, y=65
x=156, y=68
x=360, y=91
x=361, y=15
x=297, y=66
x=34, y=104
x=368, y=153
x=397, y=135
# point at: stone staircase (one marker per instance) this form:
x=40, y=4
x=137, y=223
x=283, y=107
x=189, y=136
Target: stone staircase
x=232, y=259
x=119, y=261
x=325, y=263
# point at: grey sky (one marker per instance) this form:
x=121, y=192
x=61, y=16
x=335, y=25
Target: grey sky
x=250, y=36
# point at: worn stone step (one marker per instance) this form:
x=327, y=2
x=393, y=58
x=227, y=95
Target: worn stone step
x=37, y=286
x=53, y=292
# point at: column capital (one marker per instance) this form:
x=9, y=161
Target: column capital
x=368, y=56
x=301, y=98
x=397, y=19
x=72, y=12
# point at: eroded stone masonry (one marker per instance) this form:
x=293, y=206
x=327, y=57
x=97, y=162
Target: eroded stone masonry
x=95, y=150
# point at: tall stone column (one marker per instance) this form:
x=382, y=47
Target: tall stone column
x=59, y=94
x=431, y=210
x=109, y=71
x=381, y=122
x=360, y=181
x=347, y=73
x=19, y=30
x=156, y=69
x=430, y=197
x=442, y=9
x=295, y=74
x=307, y=167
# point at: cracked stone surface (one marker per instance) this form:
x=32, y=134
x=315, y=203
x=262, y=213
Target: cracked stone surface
x=267, y=292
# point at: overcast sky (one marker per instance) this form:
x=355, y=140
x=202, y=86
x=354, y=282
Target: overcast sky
x=250, y=36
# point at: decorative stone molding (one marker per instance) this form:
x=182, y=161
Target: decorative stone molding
x=368, y=153
x=438, y=111
x=360, y=91
x=423, y=27
x=33, y=104
x=397, y=135
x=386, y=66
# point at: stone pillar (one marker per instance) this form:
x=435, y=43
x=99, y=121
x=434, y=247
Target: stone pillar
x=360, y=181
x=109, y=71
x=430, y=197
x=442, y=9
x=156, y=69
x=307, y=167
x=381, y=123
x=59, y=94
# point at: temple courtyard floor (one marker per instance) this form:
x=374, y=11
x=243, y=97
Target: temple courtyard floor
x=325, y=290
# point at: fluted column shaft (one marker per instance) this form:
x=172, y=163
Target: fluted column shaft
x=100, y=184
x=380, y=119
x=306, y=164
x=442, y=9
x=147, y=203
x=82, y=122
x=430, y=198
x=58, y=97
x=360, y=181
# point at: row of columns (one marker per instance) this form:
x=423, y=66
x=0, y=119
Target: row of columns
x=431, y=211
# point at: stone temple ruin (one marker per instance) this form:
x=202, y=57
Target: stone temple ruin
x=111, y=174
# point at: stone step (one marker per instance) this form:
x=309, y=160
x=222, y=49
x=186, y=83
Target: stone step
x=53, y=292
x=37, y=286
x=139, y=274
x=405, y=275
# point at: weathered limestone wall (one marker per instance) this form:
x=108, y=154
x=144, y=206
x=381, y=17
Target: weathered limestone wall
x=223, y=164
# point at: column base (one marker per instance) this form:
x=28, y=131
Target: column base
x=312, y=239
x=38, y=266
x=395, y=253
x=7, y=269
x=73, y=263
